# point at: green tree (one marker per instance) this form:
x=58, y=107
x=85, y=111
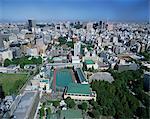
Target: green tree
x=146, y=55
x=70, y=102
x=84, y=106
x=106, y=48
x=62, y=40
x=143, y=112
x=42, y=112
x=48, y=112
x=2, y=94
x=96, y=114
x=70, y=44
x=7, y=62
x=56, y=104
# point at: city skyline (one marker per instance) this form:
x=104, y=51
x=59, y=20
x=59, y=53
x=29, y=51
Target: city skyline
x=74, y=59
x=44, y=10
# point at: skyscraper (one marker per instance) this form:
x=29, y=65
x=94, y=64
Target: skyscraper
x=100, y=24
x=77, y=49
x=31, y=25
x=89, y=26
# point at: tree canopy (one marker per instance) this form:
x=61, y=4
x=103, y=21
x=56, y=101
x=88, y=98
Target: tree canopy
x=116, y=98
x=83, y=106
x=70, y=102
x=23, y=61
x=62, y=40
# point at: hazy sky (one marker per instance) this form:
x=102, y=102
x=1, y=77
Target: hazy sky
x=18, y=10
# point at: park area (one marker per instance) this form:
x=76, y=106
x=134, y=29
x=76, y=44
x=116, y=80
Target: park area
x=11, y=83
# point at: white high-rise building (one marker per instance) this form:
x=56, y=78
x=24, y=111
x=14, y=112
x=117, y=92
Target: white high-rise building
x=77, y=49
x=115, y=40
x=99, y=41
x=89, y=26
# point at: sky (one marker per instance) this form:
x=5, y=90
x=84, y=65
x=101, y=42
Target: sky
x=50, y=10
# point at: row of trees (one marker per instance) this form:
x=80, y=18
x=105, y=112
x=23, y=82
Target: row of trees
x=116, y=99
x=2, y=94
x=43, y=111
x=23, y=61
x=146, y=55
x=71, y=104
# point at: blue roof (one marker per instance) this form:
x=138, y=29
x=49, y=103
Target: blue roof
x=80, y=75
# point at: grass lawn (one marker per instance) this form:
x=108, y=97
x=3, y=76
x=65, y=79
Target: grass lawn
x=12, y=82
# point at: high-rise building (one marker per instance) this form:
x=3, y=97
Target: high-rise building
x=99, y=41
x=31, y=25
x=100, y=24
x=1, y=43
x=77, y=49
x=89, y=26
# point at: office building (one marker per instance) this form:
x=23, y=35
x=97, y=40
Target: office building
x=31, y=25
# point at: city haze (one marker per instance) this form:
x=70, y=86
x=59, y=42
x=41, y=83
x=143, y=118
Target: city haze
x=55, y=10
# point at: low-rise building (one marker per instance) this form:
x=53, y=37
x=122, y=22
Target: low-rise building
x=91, y=64
x=101, y=76
x=9, y=69
x=5, y=54
x=44, y=84
x=127, y=66
x=80, y=92
x=60, y=59
x=75, y=59
x=146, y=64
x=32, y=51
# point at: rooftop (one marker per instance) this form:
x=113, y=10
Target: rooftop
x=102, y=76
x=44, y=81
x=79, y=89
x=63, y=77
x=25, y=105
x=71, y=114
x=81, y=75
x=89, y=62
